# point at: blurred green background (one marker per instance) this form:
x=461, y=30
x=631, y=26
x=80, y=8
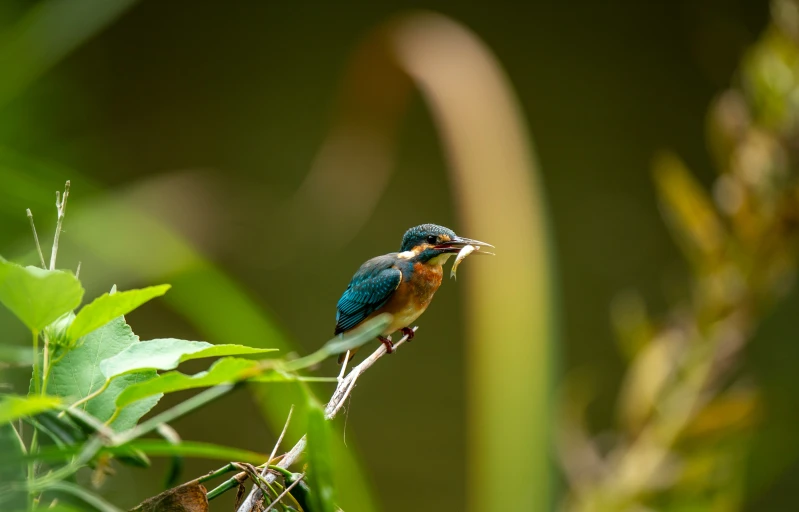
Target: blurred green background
x=209, y=116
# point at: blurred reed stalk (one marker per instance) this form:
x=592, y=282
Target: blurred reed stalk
x=685, y=413
x=495, y=184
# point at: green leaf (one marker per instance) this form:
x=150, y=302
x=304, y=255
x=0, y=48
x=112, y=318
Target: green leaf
x=158, y=447
x=87, y=497
x=689, y=210
x=37, y=296
x=363, y=334
x=366, y=332
x=78, y=375
x=320, y=463
x=167, y=354
x=13, y=407
x=106, y=307
x=271, y=375
x=62, y=430
x=225, y=371
x=12, y=470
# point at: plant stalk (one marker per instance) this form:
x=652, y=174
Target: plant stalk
x=61, y=206
x=36, y=239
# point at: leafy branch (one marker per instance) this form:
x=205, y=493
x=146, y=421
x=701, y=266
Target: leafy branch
x=94, y=381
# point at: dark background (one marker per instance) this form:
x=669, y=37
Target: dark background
x=238, y=97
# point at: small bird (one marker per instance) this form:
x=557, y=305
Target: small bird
x=401, y=283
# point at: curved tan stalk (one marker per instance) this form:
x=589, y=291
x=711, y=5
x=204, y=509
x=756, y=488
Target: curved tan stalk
x=496, y=186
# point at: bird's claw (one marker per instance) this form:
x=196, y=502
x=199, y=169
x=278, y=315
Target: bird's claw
x=387, y=343
x=407, y=331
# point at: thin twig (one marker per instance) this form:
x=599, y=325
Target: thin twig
x=77, y=272
x=254, y=476
x=61, y=206
x=172, y=414
x=343, y=368
x=36, y=238
x=343, y=390
x=279, y=440
x=285, y=491
x=265, y=472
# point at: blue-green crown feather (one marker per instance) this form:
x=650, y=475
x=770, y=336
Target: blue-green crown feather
x=419, y=234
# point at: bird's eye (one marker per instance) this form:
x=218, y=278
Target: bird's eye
x=432, y=239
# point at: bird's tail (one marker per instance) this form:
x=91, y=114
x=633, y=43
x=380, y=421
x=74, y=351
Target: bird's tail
x=343, y=356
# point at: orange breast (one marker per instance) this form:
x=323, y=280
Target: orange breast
x=413, y=296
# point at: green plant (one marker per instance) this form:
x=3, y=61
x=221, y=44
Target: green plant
x=93, y=381
x=685, y=410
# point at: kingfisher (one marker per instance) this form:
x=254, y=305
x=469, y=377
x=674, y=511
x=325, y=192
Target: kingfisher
x=400, y=283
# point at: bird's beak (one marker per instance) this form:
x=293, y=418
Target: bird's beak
x=457, y=243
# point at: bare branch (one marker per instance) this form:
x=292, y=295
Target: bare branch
x=61, y=206
x=36, y=238
x=279, y=439
x=343, y=389
x=348, y=383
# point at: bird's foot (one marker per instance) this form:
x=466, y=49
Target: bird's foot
x=407, y=331
x=387, y=343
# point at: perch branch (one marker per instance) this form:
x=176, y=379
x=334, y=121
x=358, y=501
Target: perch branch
x=342, y=391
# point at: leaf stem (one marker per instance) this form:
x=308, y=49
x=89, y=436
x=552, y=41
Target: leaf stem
x=172, y=414
x=92, y=395
x=45, y=363
x=235, y=480
x=219, y=472
x=36, y=376
x=285, y=491
x=227, y=485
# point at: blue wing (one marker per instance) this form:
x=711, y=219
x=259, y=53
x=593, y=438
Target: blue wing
x=369, y=290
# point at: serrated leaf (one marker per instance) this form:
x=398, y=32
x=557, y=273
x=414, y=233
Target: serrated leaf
x=78, y=375
x=225, y=371
x=167, y=354
x=13, y=407
x=37, y=296
x=106, y=307
x=320, y=463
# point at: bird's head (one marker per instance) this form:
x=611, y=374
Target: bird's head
x=433, y=243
